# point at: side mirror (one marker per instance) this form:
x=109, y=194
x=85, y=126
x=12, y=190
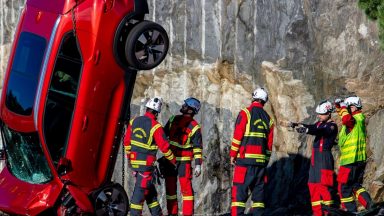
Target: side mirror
x=2, y=154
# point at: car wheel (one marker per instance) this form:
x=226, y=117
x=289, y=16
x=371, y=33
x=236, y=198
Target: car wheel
x=146, y=46
x=111, y=200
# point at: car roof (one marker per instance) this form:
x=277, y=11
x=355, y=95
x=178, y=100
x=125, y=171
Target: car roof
x=57, y=6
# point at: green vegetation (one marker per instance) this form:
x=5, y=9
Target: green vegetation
x=374, y=9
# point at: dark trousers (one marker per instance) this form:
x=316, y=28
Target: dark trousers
x=350, y=178
x=144, y=191
x=247, y=178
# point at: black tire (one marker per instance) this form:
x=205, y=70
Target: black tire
x=146, y=45
x=111, y=200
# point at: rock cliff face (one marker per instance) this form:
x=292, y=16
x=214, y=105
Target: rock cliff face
x=302, y=51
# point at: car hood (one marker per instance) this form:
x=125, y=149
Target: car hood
x=22, y=198
x=57, y=6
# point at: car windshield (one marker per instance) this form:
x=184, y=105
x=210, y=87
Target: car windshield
x=24, y=75
x=25, y=157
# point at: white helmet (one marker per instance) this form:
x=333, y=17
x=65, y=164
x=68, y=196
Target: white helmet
x=353, y=101
x=260, y=93
x=155, y=104
x=324, y=107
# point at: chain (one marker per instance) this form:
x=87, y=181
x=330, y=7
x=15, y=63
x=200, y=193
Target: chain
x=123, y=155
x=74, y=18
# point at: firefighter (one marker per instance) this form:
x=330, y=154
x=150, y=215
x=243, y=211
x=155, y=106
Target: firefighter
x=144, y=136
x=322, y=178
x=185, y=139
x=250, y=151
x=352, y=143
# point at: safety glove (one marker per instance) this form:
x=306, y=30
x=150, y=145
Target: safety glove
x=339, y=103
x=162, y=166
x=292, y=124
x=301, y=129
x=197, y=170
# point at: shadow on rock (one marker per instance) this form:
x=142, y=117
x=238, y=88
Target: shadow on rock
x=287, y=192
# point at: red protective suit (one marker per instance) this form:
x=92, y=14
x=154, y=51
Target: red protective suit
x=251, y=146
x=322, y=178
x=144, y=136
x=186, y=142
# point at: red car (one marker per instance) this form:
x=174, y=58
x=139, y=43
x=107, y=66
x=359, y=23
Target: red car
x=65, y=99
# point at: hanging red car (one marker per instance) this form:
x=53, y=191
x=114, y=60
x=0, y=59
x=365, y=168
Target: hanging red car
x=65, y=99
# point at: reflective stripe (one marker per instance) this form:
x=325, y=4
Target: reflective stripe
x=262, y=122
x=127, y=149
x=134, y=132
x=197, y=127
x=258, y=205
x=135, y=206
x=259, y=156
x=152, y=205
x=187, y=197
x=187, y=143
x=197, y=150
x=171, y=197
x=350, y=148
x=238, y=204
x=153, y=130
x=343, y=112
x=316, y=203
x=197, y=156
x=236, y=141
x=247, y=128
x=234, y=148
x=347, y=199
x=142, y=145
x=358, y=192
x=351, y=155
x=170, y=121
x=255, y=134
x=183, y=158
x=180, y=146
x=270, y=123
x=330, y=202
x=170, y=157
x=168, y=153
x=138, y=162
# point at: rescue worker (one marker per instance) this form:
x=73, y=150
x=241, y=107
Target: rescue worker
x=185, y=139
x=143, y=138
x=322, y=178
x=352, y=143
x=250, y=151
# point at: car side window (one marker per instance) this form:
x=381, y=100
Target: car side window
x=62, y=94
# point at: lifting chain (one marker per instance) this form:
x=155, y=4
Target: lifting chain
x=123, y=154
x=74, y=17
